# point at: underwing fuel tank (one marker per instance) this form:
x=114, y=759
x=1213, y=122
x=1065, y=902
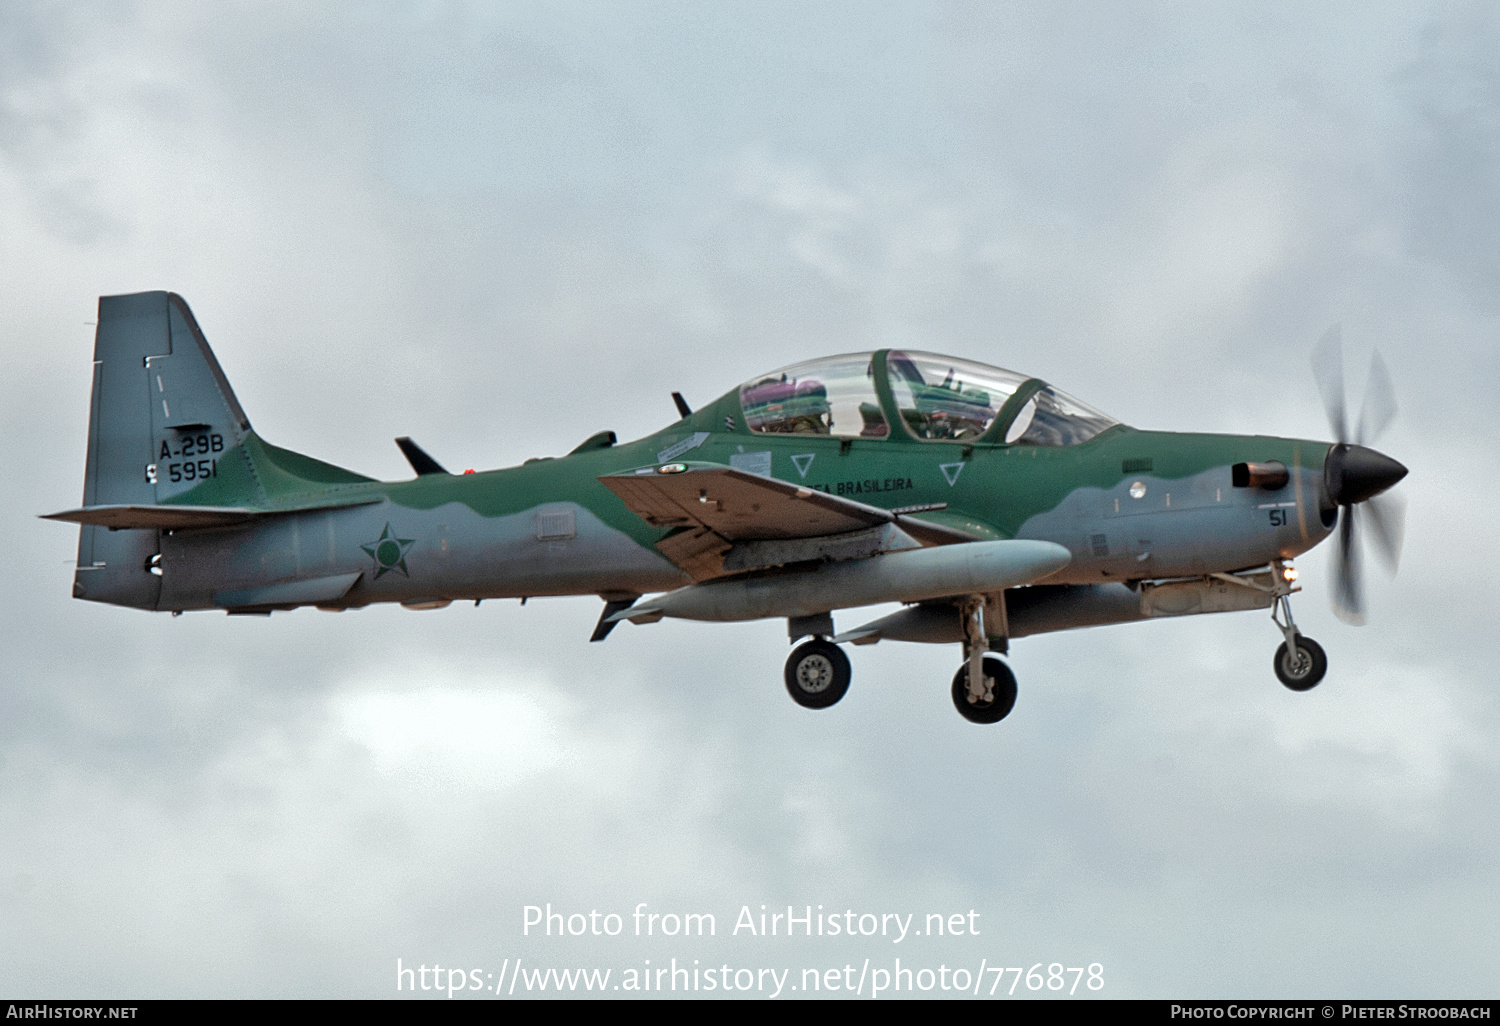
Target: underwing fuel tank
x=913, y=575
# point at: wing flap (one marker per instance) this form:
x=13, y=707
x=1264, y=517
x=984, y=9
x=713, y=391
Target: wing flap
x=698, y=551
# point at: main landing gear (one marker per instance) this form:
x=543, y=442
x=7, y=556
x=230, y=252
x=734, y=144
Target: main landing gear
x=1300, y=662
x=817, y=674
x=993, y=701
x=984, y=689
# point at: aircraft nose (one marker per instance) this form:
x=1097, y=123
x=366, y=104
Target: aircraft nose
x=1354, y=473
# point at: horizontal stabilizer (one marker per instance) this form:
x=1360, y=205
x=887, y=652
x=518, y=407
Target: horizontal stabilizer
x=422, y=463
x=178, y=518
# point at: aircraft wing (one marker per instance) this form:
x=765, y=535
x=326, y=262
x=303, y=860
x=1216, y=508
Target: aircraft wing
x=722, y=507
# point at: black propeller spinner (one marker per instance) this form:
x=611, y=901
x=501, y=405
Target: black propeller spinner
x=1354, y=476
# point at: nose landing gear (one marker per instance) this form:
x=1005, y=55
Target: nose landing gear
x=1300, y=662
x=1302, y=671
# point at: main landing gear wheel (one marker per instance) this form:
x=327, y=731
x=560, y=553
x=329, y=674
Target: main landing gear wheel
x=817, y=674
x=1301, y=671
x=1000, y=695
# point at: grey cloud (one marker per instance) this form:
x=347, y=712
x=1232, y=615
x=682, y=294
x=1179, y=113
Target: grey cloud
x=1453, y=89
x=502, y=232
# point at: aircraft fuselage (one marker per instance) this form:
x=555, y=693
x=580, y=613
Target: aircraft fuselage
x=1128, y=505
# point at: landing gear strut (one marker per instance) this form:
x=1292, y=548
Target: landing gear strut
x=817, y=674
x=1300, y=662
x=984, y=689
x=998, y=698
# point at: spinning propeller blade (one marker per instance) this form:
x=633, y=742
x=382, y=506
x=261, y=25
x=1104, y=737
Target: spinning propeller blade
x=1388, y=523
x=1328, y=370
x=1355, y=476
x=1379, y=408
x=1348, y=582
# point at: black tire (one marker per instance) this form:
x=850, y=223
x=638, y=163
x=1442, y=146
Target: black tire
x=817, y=674
x=1305, y=671
x=982, y=711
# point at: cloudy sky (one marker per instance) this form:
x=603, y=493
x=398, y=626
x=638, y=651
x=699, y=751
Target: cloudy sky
x=501, y=228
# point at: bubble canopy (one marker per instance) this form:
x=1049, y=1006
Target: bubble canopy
x=929, y=396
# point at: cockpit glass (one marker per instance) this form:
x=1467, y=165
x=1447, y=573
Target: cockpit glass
x=943, y=398
x=1055, y=418
x=833, y=396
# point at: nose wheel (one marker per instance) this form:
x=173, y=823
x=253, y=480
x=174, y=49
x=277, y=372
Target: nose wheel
x=1302, y=667
x=817, y=674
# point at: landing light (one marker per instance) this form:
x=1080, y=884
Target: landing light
x=1138, y=489
x=1289, y=573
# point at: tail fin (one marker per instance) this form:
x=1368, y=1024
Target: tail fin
x=157, y=388
x=166, y=428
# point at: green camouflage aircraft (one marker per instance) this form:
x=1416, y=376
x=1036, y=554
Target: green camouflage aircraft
x=989, y=503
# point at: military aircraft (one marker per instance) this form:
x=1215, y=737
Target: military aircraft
x=991, y=504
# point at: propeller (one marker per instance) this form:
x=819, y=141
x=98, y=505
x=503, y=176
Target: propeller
x=1355, y=476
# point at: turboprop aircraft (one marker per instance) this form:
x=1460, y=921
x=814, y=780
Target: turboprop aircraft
x=991, y=504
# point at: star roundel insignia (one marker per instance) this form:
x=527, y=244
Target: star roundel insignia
x=388, y=552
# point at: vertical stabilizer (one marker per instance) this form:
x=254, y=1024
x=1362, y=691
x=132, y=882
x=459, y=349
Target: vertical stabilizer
x=161, y=417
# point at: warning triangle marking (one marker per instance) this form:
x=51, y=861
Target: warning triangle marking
x=803, y=461
x=951, y=472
